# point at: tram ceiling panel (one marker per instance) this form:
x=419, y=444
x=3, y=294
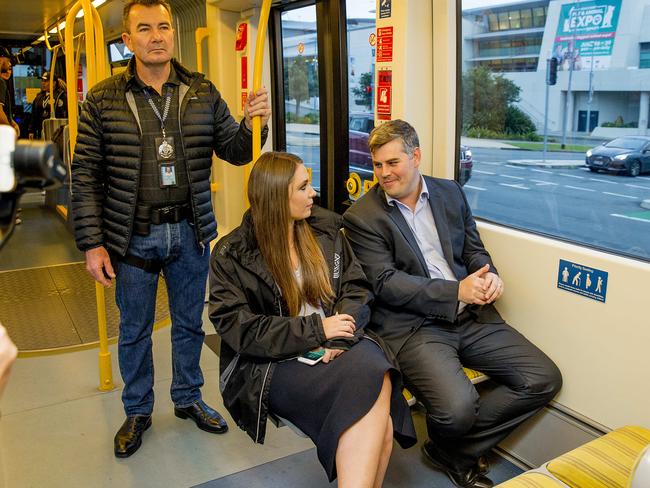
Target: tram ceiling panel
x=27, y=20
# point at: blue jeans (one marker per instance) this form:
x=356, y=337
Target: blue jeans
x=185, y=269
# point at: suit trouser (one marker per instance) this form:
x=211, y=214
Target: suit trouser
x=462, y=424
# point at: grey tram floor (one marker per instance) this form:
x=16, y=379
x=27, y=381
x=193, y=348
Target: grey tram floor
x=57, y=431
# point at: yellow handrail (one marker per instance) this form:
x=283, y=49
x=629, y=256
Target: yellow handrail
x=199, y=34
x=95, y=67
x=55, y=54
x=257, y=84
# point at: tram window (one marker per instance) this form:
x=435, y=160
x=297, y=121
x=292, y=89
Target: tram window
x=576, y=190
x=301, y=95
x=361, y=75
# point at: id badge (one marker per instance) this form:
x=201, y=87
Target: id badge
x=167, y=173
x=165, y=148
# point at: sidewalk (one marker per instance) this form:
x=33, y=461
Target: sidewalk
x=485, y=143
x=549, y=163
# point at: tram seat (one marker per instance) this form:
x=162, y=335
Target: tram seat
x=606, y=462
x=474, y=376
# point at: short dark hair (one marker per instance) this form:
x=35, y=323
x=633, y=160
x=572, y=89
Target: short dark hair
x=145, y=3
x=391, y=130
x=4, y=52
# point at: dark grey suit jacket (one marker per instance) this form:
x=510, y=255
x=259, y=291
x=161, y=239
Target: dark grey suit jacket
x=406, y=295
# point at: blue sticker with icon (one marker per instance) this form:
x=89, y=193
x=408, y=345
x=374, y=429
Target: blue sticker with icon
x=582, y=280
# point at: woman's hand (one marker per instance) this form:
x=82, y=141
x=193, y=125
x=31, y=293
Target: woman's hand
x=339, y=325
x=331, y=354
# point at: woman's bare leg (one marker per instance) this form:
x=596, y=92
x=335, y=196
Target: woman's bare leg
x=362, y=446
x=385, y=454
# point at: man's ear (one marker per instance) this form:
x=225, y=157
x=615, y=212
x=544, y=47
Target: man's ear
x=126, y=39
x=417, y=155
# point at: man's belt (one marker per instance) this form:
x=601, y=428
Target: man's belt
x=145, y=216
x=169, y=215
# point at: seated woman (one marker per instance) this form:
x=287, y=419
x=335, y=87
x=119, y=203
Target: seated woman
x=284, y=283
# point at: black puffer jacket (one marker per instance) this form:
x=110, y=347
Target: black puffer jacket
x=106, y=165
x=249, y=314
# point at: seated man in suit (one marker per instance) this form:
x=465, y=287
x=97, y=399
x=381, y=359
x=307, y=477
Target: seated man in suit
x=435, y=286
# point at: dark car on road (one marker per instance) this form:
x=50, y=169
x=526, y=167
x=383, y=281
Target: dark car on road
x=629, y=155
x=360, y=161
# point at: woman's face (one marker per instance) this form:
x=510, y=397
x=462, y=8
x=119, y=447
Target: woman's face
x=301, y=194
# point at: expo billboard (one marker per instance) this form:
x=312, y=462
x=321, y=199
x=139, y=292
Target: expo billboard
x=586, y=33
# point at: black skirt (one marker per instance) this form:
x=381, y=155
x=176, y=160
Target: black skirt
x=324, y=400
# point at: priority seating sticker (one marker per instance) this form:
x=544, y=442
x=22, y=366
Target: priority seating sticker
x=582, y=280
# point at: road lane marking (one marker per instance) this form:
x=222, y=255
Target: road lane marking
x=542, y=171
x=604, y=181
x=475, y=188
x=578, y=188
x=572, y=176
x=513, y=177
x=542, y=183
x=491, y=163
x=519, y=186
x=638, y=186
x=630, y=218
x=514, y=167
x=619, y=195
x=484, y=172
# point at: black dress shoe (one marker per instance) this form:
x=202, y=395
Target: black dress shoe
x=205, y=417
x=129, y=438
x=470, y=478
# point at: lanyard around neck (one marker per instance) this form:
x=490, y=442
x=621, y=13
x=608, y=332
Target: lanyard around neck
x=168, y=102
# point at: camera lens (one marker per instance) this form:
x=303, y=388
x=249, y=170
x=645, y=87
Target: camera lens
x=38, y=164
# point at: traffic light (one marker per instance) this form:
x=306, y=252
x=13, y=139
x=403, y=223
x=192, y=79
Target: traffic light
x=551, y=71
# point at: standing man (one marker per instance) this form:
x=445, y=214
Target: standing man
x=435, y=286
x=132, y=219
x=6, y=116
x=41, y=105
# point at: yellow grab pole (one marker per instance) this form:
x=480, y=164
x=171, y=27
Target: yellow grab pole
x=71, y=76
x=96, y=67
x=100, y=48
x=199, y=34
x=105, y=366
x=55, y=53
x=257, y=84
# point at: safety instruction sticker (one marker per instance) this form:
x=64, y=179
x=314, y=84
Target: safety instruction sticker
x=384, y=44
x=582, y=280
x=385, y=7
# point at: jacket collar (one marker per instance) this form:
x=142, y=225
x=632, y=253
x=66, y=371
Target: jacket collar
x=182, y=73
x=437, y=207
x=246, y=250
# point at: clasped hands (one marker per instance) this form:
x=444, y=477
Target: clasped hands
x=480, y=287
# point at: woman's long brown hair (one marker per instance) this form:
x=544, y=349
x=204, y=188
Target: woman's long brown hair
x=268, y=193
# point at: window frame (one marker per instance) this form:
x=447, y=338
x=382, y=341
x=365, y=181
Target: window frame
x=332, y=91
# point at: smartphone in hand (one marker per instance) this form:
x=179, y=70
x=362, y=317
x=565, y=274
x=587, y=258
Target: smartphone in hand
x=312, y=357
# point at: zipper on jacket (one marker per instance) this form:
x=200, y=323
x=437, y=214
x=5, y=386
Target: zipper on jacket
x=266, y=375
x=259, y=406
x=197, y=225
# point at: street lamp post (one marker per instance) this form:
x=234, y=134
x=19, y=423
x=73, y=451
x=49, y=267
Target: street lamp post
x=571, y=54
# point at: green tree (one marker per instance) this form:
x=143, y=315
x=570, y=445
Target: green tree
x=364, y=91
x=487, y=102
x=298, y=81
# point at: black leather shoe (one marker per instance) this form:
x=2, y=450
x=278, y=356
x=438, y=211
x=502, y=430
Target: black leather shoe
x=463, y=479
x=129, y=438
x=205, y=417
